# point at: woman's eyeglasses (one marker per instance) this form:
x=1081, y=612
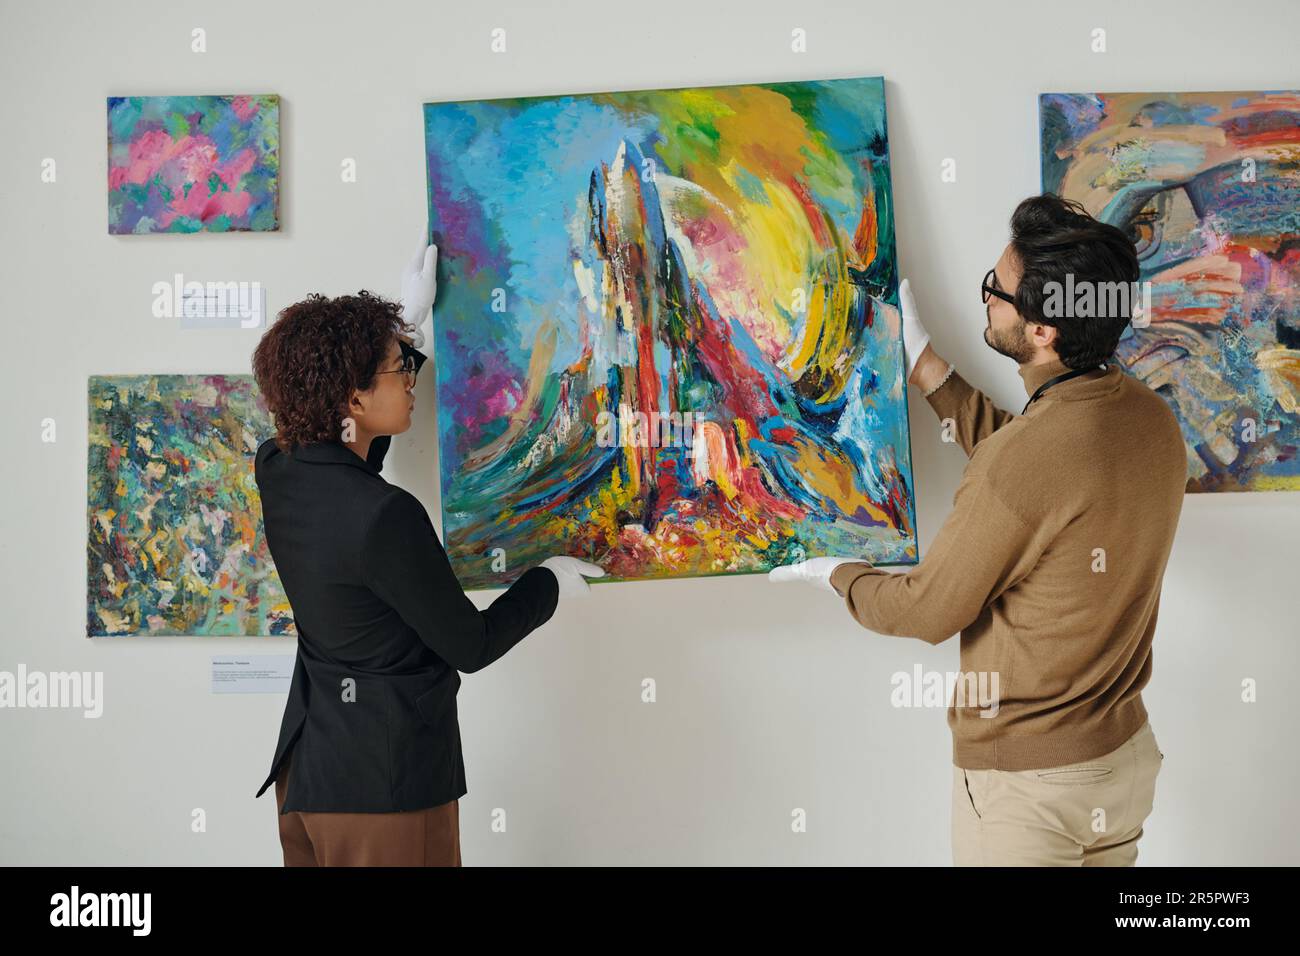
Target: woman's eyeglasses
x=407, y=368
x=989, y=290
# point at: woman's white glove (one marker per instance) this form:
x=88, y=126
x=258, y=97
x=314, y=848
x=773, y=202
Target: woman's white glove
x=814, y=571
x=419, y=289
x=915, y=337
x=572, y=574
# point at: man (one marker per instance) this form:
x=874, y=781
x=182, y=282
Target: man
x=1051, y=561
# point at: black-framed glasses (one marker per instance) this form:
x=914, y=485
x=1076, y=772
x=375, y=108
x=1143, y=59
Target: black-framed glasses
x=407, y=368
x=988, y=290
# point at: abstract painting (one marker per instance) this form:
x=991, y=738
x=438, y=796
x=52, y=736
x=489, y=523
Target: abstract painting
x=193, y=164
x=668, y=339
x=175, y=532
x=1208, y=187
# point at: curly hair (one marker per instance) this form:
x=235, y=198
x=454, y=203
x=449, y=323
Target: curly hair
x=316, y=354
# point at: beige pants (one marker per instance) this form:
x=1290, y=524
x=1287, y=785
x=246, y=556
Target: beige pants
x=1084, y=814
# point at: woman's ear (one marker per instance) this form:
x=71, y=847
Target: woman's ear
x=356, y=406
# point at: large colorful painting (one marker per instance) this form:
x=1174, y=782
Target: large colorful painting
x=193, y=163
x=1208, y=187
x=175, y=533
x=667, y=339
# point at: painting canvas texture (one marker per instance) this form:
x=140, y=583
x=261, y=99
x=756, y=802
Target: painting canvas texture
x=193, y=164
x=1208, y=187
x=667, y=336
x=175, y=534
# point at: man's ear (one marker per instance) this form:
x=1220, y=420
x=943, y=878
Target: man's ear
x=1044, y=335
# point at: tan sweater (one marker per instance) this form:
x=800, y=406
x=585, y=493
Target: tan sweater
x=1049, y=565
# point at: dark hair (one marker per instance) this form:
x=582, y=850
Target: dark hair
x=318, y=351
x=1054, y=237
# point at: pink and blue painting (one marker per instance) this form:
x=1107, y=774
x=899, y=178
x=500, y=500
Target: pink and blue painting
x=175, y=533
x=667, y=338
x=193, y=164
x=1207, y=185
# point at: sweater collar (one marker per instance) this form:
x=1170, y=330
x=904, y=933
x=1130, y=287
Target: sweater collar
x=1036, y=375
x=332, y=453
x=1092, y=385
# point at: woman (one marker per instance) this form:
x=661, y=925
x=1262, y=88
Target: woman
x=368, y=767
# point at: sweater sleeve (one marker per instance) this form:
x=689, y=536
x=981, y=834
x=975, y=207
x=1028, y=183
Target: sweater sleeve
x=983, y=548
x=405, y=565
x=973, y=413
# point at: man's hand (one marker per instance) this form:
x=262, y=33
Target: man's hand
x=925, y=369
x=572, y=574
x=419, y=289
x=814, y=571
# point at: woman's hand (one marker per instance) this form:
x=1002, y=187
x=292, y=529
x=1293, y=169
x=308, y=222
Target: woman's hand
x=572, y=574
x=419, y=289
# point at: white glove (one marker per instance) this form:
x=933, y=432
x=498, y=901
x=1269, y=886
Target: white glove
x=915, y=337
x=419, y=289
x=570, y=573
x=814, y=571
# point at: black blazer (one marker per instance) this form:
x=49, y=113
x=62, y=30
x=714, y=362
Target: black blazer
x=383, y=628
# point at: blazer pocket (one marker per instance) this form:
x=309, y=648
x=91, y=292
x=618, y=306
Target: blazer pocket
x=1080, y=775
x=432, y=705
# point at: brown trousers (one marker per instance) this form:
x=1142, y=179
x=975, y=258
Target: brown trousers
x=429, y=837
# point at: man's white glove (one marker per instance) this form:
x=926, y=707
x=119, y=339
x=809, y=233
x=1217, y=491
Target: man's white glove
x=419, y=289
x=815, y=571
x=570, y=573
x=915, y=337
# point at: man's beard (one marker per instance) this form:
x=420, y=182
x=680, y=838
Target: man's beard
x=1013, y=344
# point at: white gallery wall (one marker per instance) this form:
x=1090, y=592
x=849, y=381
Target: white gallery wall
x=769, y=698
